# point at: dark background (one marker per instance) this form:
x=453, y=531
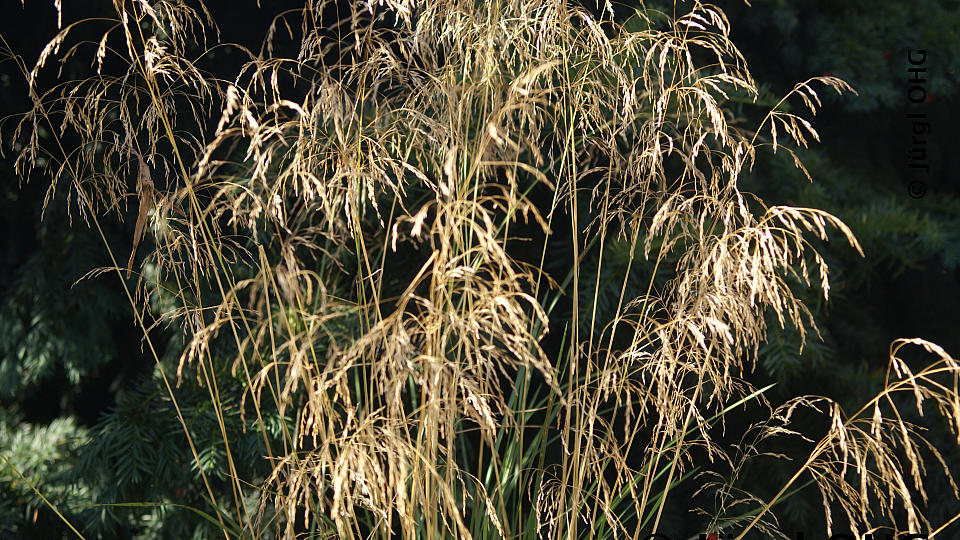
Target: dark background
x=72, y=351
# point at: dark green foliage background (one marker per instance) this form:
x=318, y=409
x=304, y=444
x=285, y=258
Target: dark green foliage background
x=85, y=417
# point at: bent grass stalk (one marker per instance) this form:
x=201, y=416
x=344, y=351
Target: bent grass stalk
x=41, y=109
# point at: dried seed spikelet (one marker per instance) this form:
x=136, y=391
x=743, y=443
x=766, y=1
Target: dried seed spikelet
x=145, y=192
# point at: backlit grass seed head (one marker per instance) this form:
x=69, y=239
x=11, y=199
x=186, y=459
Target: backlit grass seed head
x=427, y=131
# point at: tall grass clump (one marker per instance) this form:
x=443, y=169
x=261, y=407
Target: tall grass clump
x=491, y=258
